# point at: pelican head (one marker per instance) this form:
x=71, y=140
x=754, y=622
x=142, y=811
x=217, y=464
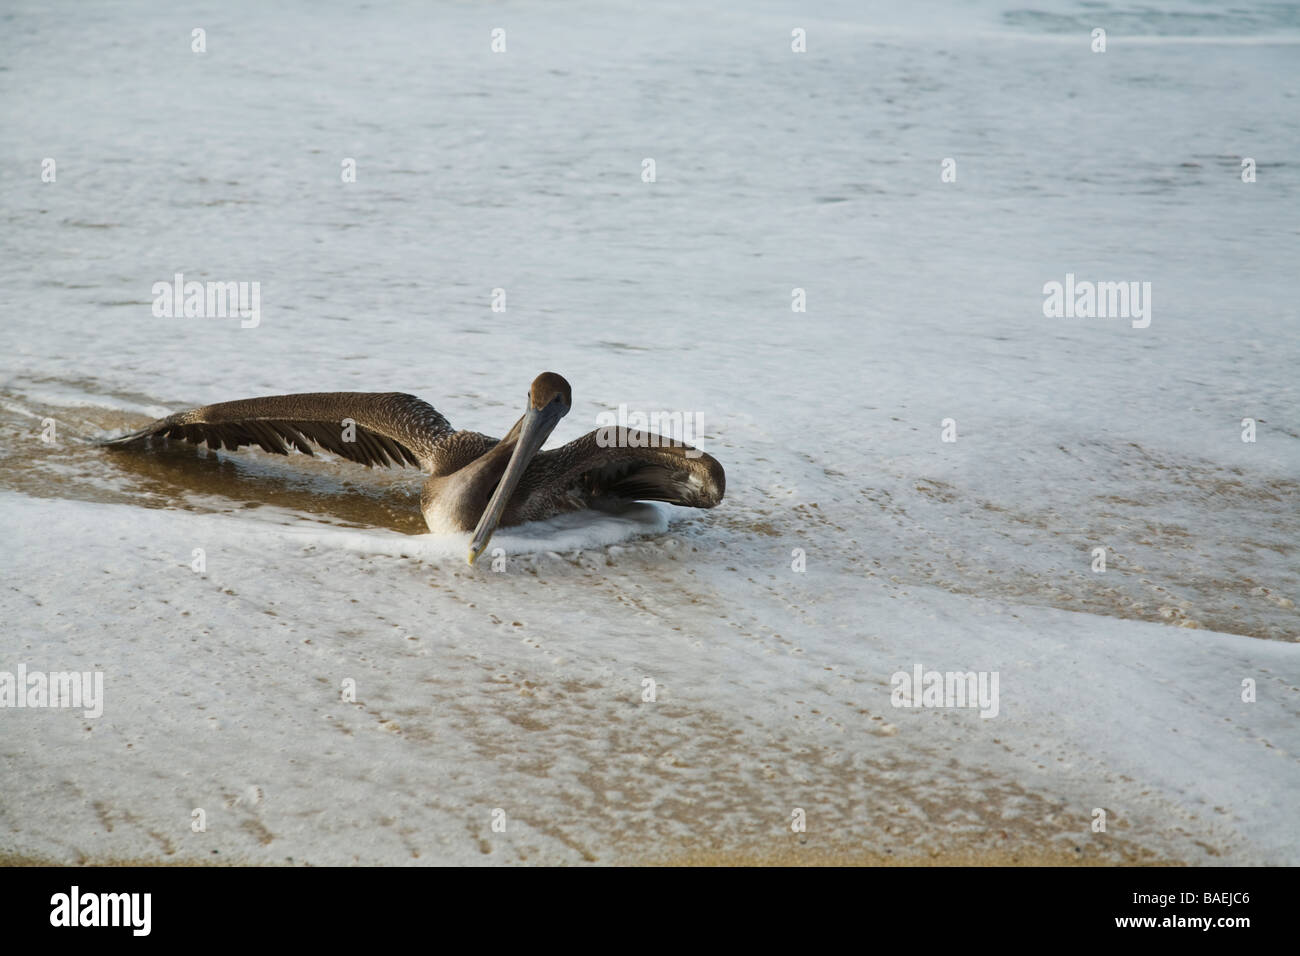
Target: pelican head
x=549, y=400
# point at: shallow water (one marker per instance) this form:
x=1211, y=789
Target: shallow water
x=775, y=171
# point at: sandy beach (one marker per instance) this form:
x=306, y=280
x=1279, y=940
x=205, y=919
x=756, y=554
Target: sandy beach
x=927, y=472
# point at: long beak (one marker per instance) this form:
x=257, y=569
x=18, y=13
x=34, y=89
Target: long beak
x=535, y=427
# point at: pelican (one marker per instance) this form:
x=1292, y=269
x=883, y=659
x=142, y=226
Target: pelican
x=475, y=482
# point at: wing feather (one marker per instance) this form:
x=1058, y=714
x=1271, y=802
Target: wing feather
x=387, y=428
x=638, y=466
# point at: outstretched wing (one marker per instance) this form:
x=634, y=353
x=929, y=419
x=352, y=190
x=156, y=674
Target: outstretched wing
x=373, y=428
x=638, y=466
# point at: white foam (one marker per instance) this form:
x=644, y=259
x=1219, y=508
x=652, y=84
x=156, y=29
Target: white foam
x=564, y=533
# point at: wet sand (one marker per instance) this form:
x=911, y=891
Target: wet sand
x=721, y=858
x=941, y=808
x=1160, y=571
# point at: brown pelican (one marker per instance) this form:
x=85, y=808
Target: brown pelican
x=475, y=482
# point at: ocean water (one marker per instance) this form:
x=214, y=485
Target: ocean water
x=775, y=171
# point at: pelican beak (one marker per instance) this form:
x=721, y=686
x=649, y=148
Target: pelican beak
x=535, y=427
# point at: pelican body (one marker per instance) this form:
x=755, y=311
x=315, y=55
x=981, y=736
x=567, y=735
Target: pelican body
x=476, y=483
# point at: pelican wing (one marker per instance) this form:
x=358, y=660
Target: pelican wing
x=372, y=428
x=637, y=466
